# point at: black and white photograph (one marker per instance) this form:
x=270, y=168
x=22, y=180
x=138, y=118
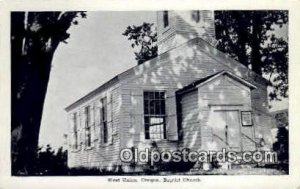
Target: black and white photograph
x=161, y=92
x=149, y=94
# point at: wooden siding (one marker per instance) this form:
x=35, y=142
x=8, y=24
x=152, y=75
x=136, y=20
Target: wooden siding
x=169, y=72
x=98, y=155
x=176, y=69
x=190, y=29
x=224, y=93
x=182, y=28
x=191, y=125
x=165, y=32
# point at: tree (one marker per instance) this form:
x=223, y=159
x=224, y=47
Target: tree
x=281, y=146
x=144, y=41
x=34, y=38
x=49, y=162
x=249, y=37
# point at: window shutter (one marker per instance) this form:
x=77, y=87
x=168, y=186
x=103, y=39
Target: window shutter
x=83, y=118
x=71, y=122
x=137, y=114
x=171, y=127
x=100, y=123
x=79, y=118
x=83, y=126
x=97, y=112
x=109, y=119
x=72, y=138
x=92, y=112
x=78, y=121
x=97, y=120
x=78, y=127
x=92, y=124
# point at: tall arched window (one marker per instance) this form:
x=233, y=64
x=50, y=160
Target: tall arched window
x=165, y=18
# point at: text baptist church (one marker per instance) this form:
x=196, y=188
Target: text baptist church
x=190, y=96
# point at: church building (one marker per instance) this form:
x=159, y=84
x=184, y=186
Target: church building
x=190, y=96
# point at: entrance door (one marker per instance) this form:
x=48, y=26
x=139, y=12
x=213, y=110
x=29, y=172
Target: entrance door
x=226, y=129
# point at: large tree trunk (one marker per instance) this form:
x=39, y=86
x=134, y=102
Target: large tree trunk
x=30, y=70
x=34, y=39
x=27, y=108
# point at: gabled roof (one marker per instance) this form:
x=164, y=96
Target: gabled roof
x=203, y=81
x=111, y=82
x=202, y=44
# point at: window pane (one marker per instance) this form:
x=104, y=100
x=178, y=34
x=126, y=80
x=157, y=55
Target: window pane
x=104, y=119
x=156, y=95
x=103, y=114
x=87, y=113
x=152, y=110
x=162, y=95
x=196, y=16
x=154, y=119
x=104, y=132
x=104, y=108
x=75, y=122
x=151, y=95
x=157, y=107
x=146, y=95
x=146, y=106
x=164, y=129
x=88, y=136
x=147, y=127
x=165, y=18
x=163, y=108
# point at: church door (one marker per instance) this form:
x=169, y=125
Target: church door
x=226, y=129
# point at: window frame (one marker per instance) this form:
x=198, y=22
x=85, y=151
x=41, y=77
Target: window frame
x=196, y=16
x=160, y=115
x=166, y=19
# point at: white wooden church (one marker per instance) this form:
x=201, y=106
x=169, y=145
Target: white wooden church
x=190, y=96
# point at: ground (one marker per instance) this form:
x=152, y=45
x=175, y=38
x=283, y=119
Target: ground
x=242, y=171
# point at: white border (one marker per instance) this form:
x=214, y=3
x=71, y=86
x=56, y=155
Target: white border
x=290, y=181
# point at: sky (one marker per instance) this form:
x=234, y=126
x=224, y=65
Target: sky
x=95, y=52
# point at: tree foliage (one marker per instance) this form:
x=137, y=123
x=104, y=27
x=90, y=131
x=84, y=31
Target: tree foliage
x=34, y=38
x=249, y=37
x=143, y=41
x=281, y=146
x=49, y=162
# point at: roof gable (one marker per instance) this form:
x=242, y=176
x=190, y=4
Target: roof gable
x=200, y=82
x=150, y=64
x=229, y=74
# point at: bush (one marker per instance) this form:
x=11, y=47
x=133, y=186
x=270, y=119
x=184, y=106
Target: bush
x=281, y=146
x=49, y=162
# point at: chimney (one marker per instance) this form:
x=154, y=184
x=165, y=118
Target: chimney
x=177, y=27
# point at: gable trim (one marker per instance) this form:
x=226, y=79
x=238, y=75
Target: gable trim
x=231, y=75
x=200, y=82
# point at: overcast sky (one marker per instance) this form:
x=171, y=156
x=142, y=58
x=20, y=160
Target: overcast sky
x=96, y=52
